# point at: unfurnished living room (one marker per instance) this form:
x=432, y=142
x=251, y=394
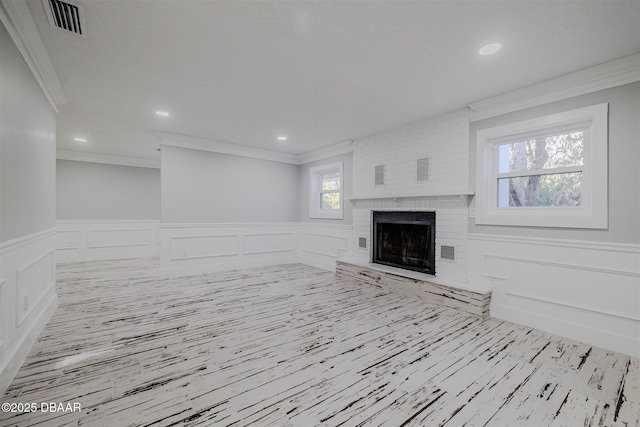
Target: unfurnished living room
x=319, y=213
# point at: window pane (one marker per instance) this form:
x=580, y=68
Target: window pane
x=330, y=181
x=330, y=200
x=541, y=190
x=554, y=151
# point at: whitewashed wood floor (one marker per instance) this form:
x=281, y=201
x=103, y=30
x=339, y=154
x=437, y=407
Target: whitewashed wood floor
x=295, y=346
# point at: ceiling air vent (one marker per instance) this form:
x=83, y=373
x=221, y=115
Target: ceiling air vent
x=66, y=15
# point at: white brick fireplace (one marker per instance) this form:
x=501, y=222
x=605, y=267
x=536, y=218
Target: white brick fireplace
x=385, y=178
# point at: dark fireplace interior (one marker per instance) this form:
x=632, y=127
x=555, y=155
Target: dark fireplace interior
x=405, y=240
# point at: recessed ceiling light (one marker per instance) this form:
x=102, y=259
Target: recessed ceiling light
x=80, y=139
x=162, y=113
x=489, y=49
x=282, y=138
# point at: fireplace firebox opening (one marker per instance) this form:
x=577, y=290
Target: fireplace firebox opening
x=405, y=240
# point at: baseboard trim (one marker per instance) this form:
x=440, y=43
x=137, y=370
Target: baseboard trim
x=562, y=328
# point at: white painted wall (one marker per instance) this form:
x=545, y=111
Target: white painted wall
x=222, y=211
x=27, y=209
x=95, y=191
x=28, y=144
x=579, y=283
x=206, y=187
x=303, y=190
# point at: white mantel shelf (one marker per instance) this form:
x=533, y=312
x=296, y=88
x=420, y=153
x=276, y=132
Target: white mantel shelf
x=407, y=196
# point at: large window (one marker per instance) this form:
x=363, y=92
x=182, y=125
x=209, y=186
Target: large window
x=325, y=192
x=550, y=171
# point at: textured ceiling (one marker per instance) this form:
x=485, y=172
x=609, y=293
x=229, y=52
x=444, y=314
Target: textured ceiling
x=319, y=72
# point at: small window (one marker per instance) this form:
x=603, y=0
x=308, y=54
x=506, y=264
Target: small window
x=544, y=170
x=325, y=192
x=550, y=171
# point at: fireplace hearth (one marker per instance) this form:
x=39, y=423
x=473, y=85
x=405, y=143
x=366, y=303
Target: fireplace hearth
x=405, y=240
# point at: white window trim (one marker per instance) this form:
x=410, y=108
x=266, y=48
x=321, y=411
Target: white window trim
x=594, y=210
x=315, y=173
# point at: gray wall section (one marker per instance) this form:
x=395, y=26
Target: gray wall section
x=27, y=148
x=624, y=161
x=303, y=194
x=94, y=191
x=205, y=187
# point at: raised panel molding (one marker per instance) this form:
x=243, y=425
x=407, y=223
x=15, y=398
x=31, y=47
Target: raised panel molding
x=27, y=297
x=67, y=240
x=204, y=246
x=113, y=238
x=1, y=323
x=264, y=243
x=582, y=290
x=572, y=305
x=90, y=240
x=322, y=244
x=33, y=282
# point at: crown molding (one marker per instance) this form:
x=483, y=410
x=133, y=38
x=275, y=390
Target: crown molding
x=603, y=76
x=193, y=143
x=202, y=144
x=107, y=159
x=326, y=152
x=17, y=19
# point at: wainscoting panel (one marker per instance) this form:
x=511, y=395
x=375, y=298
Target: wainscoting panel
x=33, y=282
x=114, y=238
x=188, y=249
x=321, y=245
x=268, y=243
x=67, y=240
x=582, y=290
x=203, y=248
x=2, y=338
x=207, y=246
x=27, y=297
x=97, y=240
